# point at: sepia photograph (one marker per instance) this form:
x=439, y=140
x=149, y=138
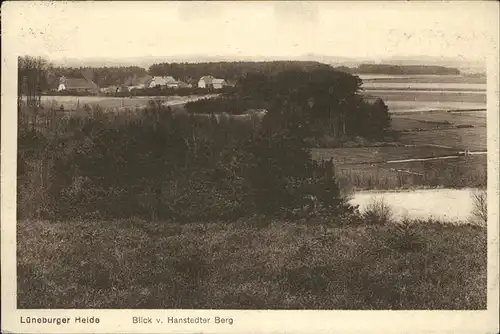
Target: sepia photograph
x=259, y=155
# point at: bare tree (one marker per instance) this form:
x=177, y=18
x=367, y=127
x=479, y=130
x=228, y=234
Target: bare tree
x=480, y=203
x=32, y=82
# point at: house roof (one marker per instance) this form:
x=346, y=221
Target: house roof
x=170, y=79
x=159, y=80
x=78, y=83
x=207, y=78
x=218, y=81
x=134, y=81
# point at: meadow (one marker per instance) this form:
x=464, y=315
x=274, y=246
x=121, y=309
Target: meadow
x=456, y=172
x=428, y=92
x=425, y=128
x=108, y=102
x=253, y=263
x=397, y=106
x=411, y=121
x=426, y=79
x=473, y=139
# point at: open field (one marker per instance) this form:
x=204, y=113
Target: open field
x=429, y=96
x=397, y=106
x=428, y=79
x=73, y=102
x=423, y=135
x=458, y=172
x=473, y=139
x=423, y=121
x=435, y=86
x=367, y=155
x=250, y=264
x=438, y=119
x=427, y=92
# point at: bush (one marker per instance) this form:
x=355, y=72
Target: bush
x=377, y=212
x=405, y=237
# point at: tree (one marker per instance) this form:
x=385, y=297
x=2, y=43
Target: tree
x=32, y=79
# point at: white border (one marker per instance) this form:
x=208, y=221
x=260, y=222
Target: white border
x=113, y=321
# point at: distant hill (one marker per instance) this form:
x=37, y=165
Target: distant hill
x=400, y=69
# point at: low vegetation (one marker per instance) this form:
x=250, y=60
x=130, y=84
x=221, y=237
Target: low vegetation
x=461, y=172
x=251, y=263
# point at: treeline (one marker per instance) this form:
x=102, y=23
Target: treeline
x=400, y=69
x=102, y=76
x=230, y=70
x=156, y=165
x=315, y=103
x=32, y=79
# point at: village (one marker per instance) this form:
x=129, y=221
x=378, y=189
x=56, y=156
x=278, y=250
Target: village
x=85, y=85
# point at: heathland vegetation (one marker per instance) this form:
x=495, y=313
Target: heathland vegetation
x=147, y=208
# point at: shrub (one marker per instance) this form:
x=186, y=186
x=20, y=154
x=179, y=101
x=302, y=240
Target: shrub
x=405, y=237
x=377, y=212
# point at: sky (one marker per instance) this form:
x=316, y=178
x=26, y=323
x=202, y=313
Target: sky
x=258, y=29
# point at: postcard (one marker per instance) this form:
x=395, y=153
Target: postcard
x=250, y=167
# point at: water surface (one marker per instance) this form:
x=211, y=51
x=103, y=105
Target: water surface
x=450, y=205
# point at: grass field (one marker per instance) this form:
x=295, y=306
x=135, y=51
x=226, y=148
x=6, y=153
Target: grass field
x=460, y=172
x=473, y=139
x=362, y=155
x=427, y=79
x=428, y=92
x=419, y=106
x=438, y=119
x=256, y=264
x=430, y=96
x=364, y=168
x=72, y=102
x=396, y=106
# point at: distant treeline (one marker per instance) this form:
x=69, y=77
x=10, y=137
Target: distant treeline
x=232, y=71
x=401, y=70
x=187, y=72
x=102, y=76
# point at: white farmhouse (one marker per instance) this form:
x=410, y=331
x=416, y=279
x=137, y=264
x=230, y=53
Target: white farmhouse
x=218, y=83
x=205, y=81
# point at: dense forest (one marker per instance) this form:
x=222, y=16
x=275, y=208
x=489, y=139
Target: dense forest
x=399, y=69
x=232, y=71
x=102, y=76
x=314, y=103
